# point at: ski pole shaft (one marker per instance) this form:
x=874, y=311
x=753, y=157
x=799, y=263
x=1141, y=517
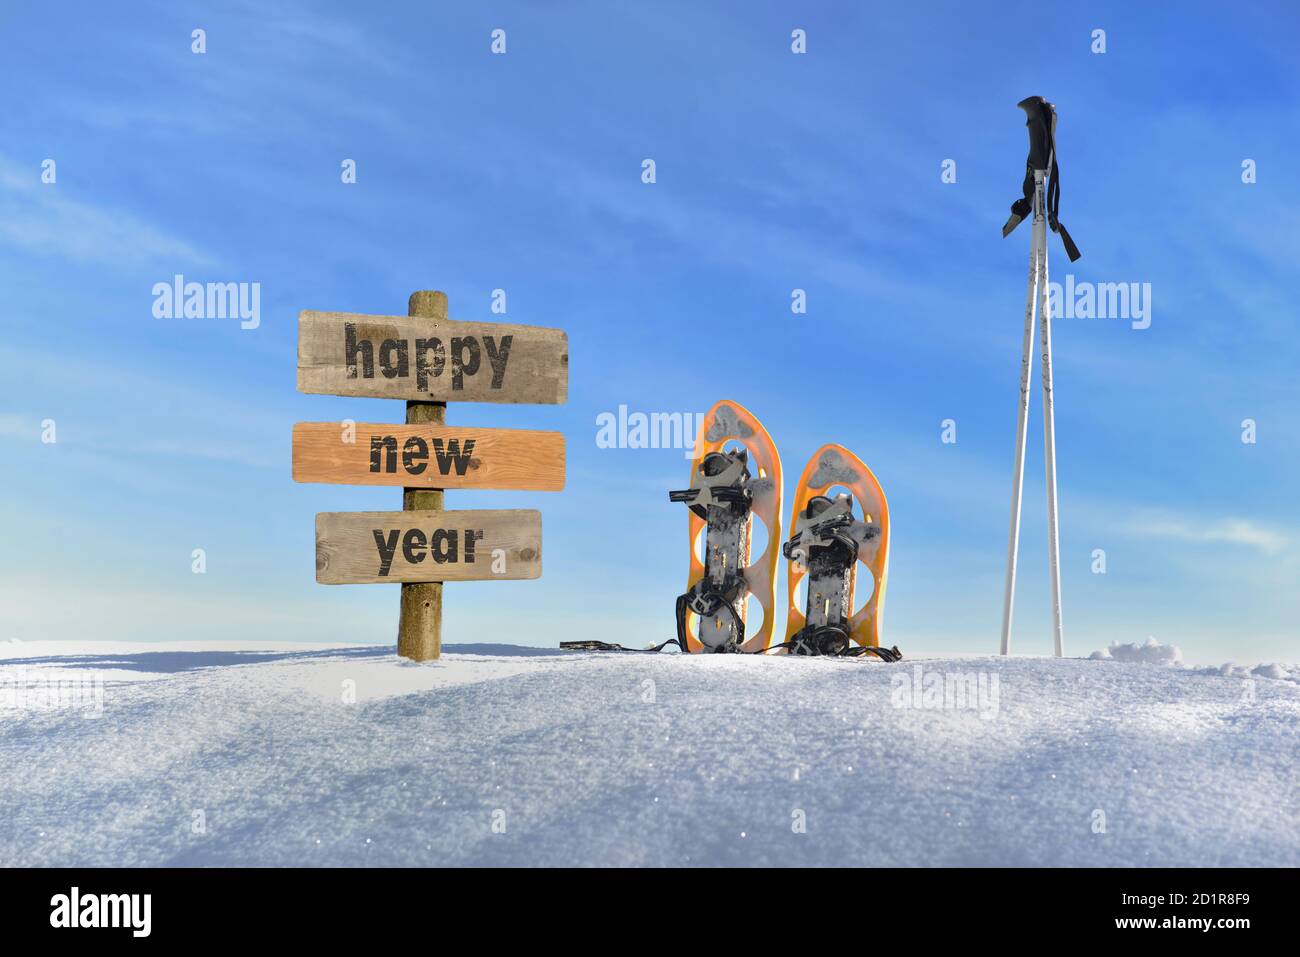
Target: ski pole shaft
x=1018, y=475
x=1049, y=457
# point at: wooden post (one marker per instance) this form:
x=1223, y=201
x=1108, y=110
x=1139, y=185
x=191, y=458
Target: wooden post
x=419, y=633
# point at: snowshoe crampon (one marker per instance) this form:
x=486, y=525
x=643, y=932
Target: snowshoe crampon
x=735, y=479
x=831, y=535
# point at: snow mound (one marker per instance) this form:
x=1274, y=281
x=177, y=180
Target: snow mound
x=1276, y=671
x=1151, y=652
x=513, y=756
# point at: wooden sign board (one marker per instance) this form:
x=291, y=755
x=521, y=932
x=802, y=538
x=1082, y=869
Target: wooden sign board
x=427, y=456
x=360, y=548
x=430, y=360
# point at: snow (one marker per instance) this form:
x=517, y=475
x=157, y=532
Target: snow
x=256, y=754
x=1152, y=652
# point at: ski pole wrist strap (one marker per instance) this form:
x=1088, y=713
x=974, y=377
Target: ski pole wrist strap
x=1054, y=207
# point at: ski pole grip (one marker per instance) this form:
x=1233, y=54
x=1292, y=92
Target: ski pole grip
x=1037, y=113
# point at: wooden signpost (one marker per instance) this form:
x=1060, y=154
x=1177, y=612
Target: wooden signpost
x=428, y=360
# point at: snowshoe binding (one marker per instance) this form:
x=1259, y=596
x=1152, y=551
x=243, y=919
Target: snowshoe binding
x=829, y=540
x=735, y=478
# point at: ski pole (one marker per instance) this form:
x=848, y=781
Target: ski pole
x=1042, y=193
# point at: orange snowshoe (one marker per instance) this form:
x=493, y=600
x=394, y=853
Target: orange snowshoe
x=735, y=478
x=831, y=536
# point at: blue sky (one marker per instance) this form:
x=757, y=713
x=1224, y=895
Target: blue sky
x=775, y=171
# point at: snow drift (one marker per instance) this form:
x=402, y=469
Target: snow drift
x=504, y=755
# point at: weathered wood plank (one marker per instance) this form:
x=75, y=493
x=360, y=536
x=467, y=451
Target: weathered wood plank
x=460, y=545
x=427, y=359
x=427, y=456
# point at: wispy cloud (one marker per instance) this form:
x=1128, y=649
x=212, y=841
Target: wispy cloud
x=14, y=426
x=1226, y=531
x=38, y=217
x=189, y=422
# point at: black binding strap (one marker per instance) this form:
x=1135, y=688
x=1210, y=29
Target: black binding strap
x=862, y=651
x=611, y=646
x=705, y=601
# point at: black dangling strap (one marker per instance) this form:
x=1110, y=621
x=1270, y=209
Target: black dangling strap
x=1054, y=208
